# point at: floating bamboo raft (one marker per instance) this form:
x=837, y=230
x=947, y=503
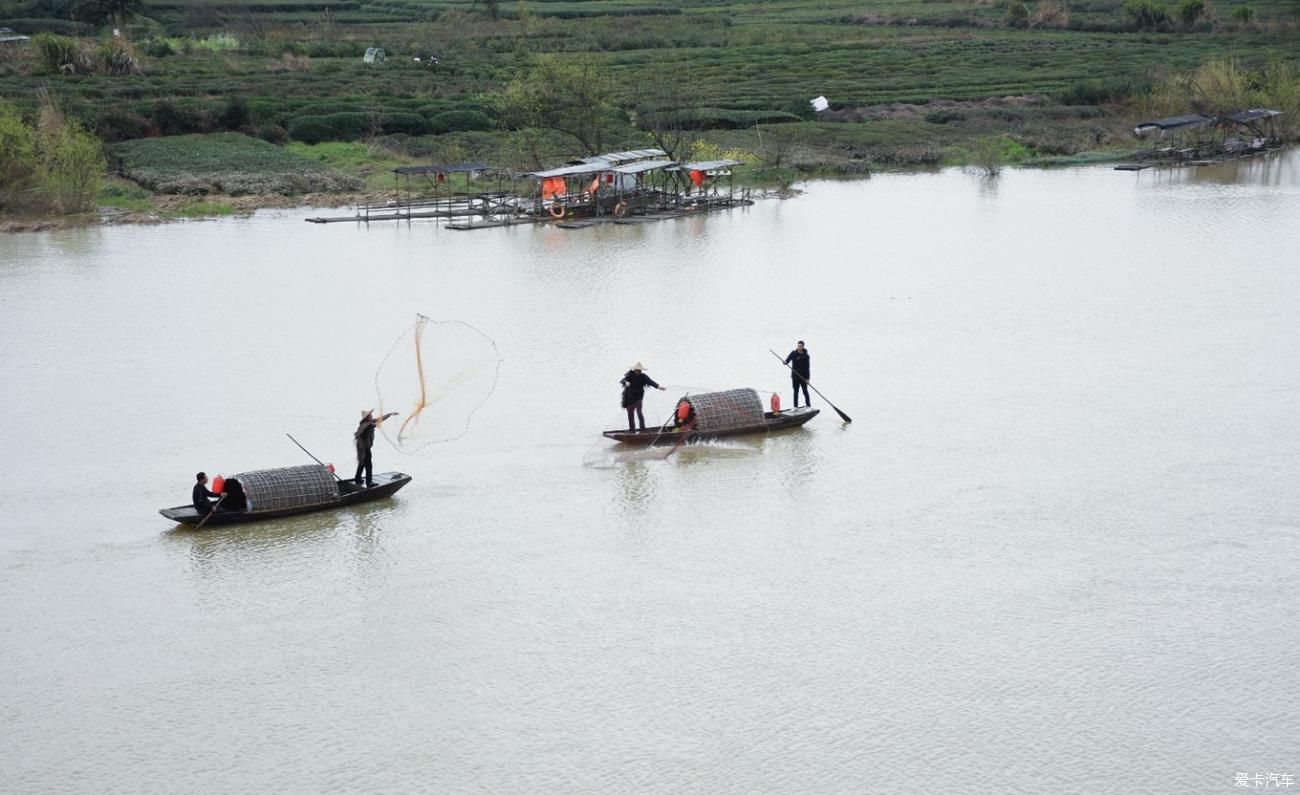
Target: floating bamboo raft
x=626, y=188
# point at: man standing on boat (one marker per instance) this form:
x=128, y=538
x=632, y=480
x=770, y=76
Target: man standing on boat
x=634, y=383
x=365, y=439
x=201, y=495
x=800, y=372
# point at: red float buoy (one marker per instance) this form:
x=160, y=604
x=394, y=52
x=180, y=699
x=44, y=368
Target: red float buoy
x=218, y=485
x=776, y=402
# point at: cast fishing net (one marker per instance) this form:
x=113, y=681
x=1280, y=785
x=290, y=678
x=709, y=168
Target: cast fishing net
x=436, y=375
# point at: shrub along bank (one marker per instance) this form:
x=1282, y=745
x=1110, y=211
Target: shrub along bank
x=49, y=164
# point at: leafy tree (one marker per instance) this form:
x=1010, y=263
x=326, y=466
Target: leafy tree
x=1017, y=14
x=1192, y=11
x=54, y=165
x=775, y=146
x=106, y=12
x=1146, y=14
x=235, y=115
x=74, y=164
x=19, y=162
x=573, y=96
x=668, y=110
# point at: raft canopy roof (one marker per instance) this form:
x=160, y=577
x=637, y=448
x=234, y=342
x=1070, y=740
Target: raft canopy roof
x=1187, y=122
x=443, y=168
x=707, y=165
x=568, y=171
x=598, y=163
x=621, y=158
x=642, y=167
x=1254, y=114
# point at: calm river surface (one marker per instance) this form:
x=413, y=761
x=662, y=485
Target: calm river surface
x=1058, y=549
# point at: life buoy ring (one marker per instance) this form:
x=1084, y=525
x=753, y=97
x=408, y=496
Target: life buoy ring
x=556, y=209
x=620, y=209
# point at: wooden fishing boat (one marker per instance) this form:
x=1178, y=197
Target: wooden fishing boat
x=286, y=491
x=714, y=415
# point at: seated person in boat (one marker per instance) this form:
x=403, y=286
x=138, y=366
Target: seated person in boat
x=233, y=498
x=202, y=497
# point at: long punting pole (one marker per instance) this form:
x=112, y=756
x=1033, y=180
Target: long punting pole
x=335, y=474
x=843, y=416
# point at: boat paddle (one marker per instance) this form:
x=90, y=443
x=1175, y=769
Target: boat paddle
x=843, y=416
x=199, y=526
x=684, y=432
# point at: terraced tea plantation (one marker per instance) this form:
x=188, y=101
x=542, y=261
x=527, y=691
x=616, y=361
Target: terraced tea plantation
x=908, y=81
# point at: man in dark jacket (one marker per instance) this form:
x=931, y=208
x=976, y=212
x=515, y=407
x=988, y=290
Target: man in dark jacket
x=634, y=383
x=800, y=372
x=365, y=439
x=201, y=495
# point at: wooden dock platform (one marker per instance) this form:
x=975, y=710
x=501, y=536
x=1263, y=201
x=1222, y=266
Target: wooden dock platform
x=489, y=211
x=494, y=223
x=394, y=215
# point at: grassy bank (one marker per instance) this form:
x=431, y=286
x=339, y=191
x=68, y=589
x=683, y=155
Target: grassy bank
x=911, y=83
x=227, y=163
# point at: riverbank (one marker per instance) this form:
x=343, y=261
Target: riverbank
x=157, y=180
x=276, y=101
x=160, y=209
x=125, y=204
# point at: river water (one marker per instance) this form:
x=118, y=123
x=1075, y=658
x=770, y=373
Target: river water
x=1056, y=550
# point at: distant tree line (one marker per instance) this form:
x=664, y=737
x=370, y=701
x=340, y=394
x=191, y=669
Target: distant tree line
x=91, y=12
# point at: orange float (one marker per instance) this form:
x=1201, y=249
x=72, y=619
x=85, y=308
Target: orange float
x=683, y=412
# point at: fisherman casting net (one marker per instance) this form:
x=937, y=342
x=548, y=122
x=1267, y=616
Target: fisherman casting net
x=436, y=375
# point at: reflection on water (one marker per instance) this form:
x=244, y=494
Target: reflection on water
x=1070, y=484
x=636, y=488
x=1273, y=170
x=348, y=542
x=801, y=454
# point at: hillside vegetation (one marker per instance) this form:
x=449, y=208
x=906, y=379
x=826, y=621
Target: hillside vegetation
x=909, y=81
